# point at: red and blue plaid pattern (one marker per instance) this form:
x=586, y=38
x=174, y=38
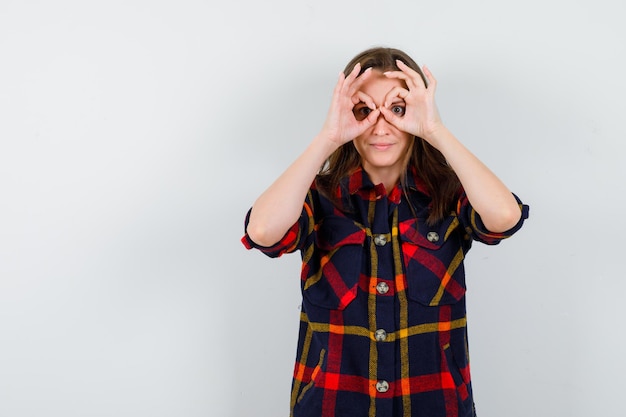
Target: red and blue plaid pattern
x=383, y=322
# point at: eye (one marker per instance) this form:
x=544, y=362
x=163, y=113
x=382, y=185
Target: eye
x=398, y=110
x=361, y=111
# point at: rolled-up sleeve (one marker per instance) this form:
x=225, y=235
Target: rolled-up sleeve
x=474, y=226
x=292, y=241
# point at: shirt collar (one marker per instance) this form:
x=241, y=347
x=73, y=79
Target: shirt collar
x=360, y=183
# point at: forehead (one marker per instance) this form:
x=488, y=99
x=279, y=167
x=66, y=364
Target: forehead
x=377, y=85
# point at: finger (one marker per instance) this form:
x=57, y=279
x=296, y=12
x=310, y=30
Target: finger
x=354, y=73
x=389, y=116
x=395, y=120
x=432, y=82
x=414, y=76
x=360, y=96
x=347, y=79
x=397, y=91
x=410, y=83
x=355, y=84
x=371, y=118
x=339, y=85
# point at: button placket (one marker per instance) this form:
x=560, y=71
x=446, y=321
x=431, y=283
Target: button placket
x=380, y=240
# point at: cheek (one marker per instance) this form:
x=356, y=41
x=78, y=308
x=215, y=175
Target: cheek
x=359, y=145
x=408, y=147
x=409, y=143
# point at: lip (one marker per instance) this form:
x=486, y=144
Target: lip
x=381, y=146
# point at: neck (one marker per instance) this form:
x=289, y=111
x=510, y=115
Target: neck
x=389, y=177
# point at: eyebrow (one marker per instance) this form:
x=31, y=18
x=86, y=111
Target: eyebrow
x=398, y=100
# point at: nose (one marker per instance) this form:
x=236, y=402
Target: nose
x=381, y=127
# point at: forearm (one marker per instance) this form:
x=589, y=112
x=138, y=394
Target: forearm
x=488, y=195
x=280, y=206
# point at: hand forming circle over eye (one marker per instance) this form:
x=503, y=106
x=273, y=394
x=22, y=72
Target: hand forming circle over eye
x=420, y=116
x=342, y=124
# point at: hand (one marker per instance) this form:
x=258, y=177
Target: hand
x=421, y=117
x=341, y=125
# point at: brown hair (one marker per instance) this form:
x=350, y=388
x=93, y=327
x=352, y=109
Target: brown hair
x=430, y=165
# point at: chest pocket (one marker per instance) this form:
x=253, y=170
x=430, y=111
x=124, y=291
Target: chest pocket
x=433, y=261
x=332, y=278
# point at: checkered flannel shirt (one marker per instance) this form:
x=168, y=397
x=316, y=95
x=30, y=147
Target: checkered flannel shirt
x=383, y=320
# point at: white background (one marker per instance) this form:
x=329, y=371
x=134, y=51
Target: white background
x=134, y=135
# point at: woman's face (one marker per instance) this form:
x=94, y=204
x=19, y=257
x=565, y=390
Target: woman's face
x=383, y=148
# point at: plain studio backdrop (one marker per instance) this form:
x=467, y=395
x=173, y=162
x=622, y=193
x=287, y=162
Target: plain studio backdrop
x=134, y=136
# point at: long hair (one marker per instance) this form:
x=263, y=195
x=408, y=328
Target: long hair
x=430, y=165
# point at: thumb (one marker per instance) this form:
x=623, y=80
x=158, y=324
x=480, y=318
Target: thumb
x=388, y=115
x=372, y=118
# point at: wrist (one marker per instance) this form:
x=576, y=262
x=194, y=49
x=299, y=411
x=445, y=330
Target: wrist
x=324, y=144
x=436, y=134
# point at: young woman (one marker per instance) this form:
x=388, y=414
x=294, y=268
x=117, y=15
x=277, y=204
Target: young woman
x=383, y=205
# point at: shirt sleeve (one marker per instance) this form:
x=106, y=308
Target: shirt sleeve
x=292, y=241
x=474, y=226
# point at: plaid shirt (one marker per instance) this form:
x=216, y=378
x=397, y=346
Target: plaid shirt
x=383, y=321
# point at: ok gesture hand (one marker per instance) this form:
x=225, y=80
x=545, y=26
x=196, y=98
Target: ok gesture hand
x=341, y=125
x=421, y=117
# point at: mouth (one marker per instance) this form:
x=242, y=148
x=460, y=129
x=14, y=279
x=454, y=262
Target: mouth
x=381, y=146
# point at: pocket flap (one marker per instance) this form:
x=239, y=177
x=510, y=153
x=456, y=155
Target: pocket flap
x=433, y=261
x=421, y=234
x=333, y=282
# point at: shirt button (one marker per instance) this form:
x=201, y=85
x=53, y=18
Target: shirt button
x=380, y=240
x=432, y=237
x=380, y=335
x=382, y=288
x=382, y=386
